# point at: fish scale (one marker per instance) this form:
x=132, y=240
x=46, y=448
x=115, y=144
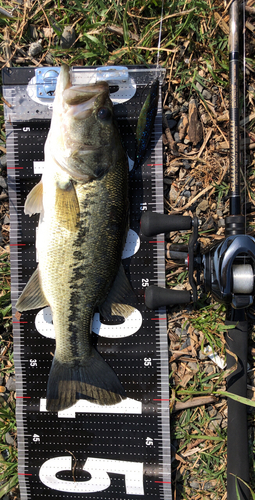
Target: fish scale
x=121, y=451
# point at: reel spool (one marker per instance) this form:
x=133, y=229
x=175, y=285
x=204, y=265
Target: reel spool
x=229, y=270
x=243, y=278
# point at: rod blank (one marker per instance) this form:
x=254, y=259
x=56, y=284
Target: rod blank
x=234, y=193
x=238, y=453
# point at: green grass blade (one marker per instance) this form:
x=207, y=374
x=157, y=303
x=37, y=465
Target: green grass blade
x=13, y=481
x=239, y=399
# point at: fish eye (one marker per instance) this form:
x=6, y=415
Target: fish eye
x=104, y=114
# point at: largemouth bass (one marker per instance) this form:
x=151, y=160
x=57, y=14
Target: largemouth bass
x=83, y=201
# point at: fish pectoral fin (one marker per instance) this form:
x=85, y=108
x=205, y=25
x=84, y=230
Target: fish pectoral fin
x=67, y=206
x=92, y=379
x=120, y=297
x=34, y=200
x=32, y=296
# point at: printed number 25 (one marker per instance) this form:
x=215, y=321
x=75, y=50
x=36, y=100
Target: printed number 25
x=145, y=282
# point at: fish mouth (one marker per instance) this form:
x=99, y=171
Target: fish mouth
x=81, y=99
x=76, y=95
x=81, y=111
x=84, y=108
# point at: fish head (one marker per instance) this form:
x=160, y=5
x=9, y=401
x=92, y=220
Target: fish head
x=83, y=139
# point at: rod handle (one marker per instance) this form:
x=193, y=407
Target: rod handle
x=238, y=452
x=156, y=297
x=153, y=223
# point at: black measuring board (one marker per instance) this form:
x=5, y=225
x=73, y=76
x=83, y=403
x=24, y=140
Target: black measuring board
x=90, y=451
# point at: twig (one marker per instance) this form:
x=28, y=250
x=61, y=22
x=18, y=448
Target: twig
x=3, y=196
x=168, y=134
x=7, y=47
x=213, y=120
x=203, y=400
x=153, y=49
x=24, y=20
x=251, y=10
x=118, y=30
x=74, y=466
x=182, y=352
x=208, y=135
x=247, y=119
x=39, y=8
x=171, y=70
x=141, y=17
x=6, y=102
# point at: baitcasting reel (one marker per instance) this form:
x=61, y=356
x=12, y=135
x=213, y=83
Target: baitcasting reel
x=228, y=267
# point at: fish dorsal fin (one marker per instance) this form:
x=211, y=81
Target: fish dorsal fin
x=34, y=201
x=32, y=296
x=67, y=206
x=118, y=300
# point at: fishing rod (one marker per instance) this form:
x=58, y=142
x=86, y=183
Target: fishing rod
x=228, y=268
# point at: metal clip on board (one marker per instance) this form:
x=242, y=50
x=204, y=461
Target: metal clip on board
x=229, y=270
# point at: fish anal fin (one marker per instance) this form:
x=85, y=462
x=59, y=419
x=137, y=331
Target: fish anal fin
x=34, y=200
x=67, y=206
x=119, y=298
x=32, y=296
x=93, y=380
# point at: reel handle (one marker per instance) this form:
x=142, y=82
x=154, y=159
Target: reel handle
x=156, y=297
x=153, y=223
x=237, y=441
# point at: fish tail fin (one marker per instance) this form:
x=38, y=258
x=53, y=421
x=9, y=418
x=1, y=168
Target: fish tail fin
x=93, y=380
